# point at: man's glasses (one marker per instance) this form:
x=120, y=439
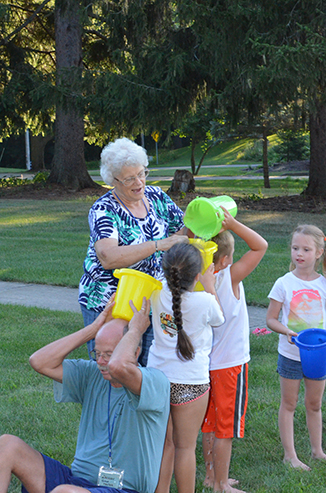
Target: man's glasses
x=127, y=182
x=95, y=355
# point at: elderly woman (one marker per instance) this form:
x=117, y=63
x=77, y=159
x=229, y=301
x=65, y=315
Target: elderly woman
x=130, y=226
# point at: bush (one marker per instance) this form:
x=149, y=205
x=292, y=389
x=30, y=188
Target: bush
x=41, y=177
x=13, y=181
x=293, y=146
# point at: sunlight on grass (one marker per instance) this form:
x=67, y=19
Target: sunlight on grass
x=231, y=152
x=42, y=218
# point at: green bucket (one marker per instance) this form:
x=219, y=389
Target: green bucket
x=204, y=216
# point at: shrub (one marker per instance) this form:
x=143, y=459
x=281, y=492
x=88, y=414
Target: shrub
x=293, y=146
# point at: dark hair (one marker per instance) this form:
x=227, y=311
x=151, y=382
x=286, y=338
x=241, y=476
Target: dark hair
x=181, y=264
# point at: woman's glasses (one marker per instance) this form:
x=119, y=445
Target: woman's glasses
x=127, y=182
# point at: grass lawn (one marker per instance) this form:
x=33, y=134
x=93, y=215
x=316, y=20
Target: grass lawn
x=46, y=242
x=28, y=409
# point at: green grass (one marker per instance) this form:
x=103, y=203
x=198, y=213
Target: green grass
x=46, y=242
x=223, y=153
x=27, y=406
x=43, y=241
x=245, y=188
x=28, y=410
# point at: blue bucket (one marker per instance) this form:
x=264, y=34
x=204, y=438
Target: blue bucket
x=312, y=346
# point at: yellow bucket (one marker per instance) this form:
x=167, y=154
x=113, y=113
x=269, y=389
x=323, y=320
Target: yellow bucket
x=207, y=250
x=133, y=285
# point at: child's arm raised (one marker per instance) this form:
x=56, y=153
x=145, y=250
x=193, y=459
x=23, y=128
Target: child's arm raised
x=249, y=261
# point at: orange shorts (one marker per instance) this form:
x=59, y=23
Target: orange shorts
x=226, y=411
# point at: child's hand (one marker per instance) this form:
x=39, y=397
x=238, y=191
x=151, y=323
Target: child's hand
x=289, y=336
x=208, y=279
x=228, y=221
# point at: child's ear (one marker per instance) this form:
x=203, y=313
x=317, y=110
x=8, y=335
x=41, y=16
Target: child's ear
x=319, y=254
x=224, y=261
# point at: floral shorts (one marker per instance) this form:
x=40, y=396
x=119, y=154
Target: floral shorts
x=181, y=393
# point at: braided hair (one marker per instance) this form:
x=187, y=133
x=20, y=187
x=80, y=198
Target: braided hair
x=181, y=264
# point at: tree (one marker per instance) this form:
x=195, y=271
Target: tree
x=196, y=125
x=27, y=62
x=292, y=46
x=69, y=167
x=260, y=55
x=137, y=73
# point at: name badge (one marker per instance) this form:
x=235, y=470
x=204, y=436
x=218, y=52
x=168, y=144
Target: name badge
x=111, y=477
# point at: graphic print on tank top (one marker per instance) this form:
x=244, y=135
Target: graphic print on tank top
x=306, y=310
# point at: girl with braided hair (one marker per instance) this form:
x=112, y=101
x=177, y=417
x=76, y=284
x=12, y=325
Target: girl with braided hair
x=182, y=322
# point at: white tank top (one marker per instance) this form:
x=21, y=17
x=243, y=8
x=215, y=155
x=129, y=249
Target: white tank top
x=231, y=339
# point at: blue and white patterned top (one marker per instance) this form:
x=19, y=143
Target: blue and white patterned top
x=108, y=219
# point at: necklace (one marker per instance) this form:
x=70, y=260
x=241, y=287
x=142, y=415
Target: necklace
x=124, y=205
x=143, y=234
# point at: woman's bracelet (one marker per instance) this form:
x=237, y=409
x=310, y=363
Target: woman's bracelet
x=156, y=247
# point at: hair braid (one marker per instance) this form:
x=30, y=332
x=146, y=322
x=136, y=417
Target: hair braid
x=181, y=264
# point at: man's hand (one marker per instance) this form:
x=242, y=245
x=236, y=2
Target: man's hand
x=140, y=320
x=106, y=314
x=123, y=365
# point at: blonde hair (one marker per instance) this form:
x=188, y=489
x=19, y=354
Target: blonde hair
x=319, y=239
x=225, y=243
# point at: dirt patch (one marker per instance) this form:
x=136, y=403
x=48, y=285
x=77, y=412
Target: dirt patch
x=297, y=203
x=39, y=191
x=293, y=168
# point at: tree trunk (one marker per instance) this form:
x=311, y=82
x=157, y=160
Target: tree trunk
x=317, y=169
x=69, y=167
x=265, y=159
x=183, y=181
x=38, y=143
x=192, y=157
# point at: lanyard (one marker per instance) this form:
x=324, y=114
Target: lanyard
x=150, y=223
x=110, y=430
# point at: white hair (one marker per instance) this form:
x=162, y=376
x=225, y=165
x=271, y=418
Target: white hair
x=122, y=152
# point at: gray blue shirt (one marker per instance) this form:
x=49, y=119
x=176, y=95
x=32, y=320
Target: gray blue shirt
x=139, y=423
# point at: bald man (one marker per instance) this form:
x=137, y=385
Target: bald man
x=124, y=415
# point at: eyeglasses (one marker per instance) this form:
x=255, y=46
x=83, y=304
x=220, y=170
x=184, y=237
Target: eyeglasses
x=127, y=182
x=96, y=355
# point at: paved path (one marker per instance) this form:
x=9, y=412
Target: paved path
x=96, y=177
x=66, y=299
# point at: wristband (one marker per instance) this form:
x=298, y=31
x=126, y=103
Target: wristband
x=156, y=247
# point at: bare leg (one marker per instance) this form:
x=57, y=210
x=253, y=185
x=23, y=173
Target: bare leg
x=221, y=459
x=18, y=458
x=207, y=442
x=289, y=398
x=187, y=419
x=314, y=390
x=67, y=488
x=166, y=471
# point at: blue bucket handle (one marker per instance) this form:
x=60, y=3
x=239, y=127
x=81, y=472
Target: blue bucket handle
x=298, y=344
